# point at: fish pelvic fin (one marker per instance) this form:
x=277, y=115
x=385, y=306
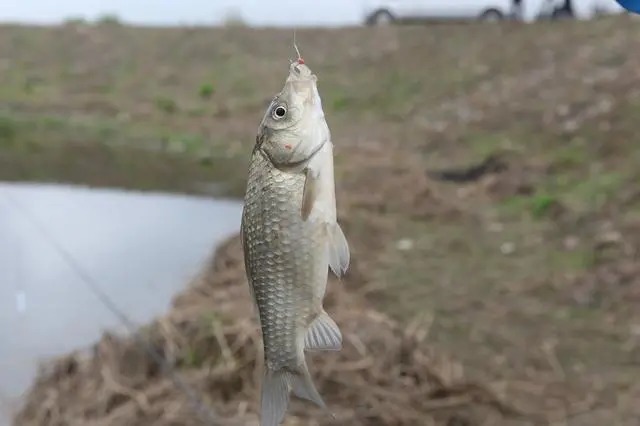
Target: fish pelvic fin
x=338, y=247
x=323, y=334
x=276, y=389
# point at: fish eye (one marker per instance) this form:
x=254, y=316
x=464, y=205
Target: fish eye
x=279, y=112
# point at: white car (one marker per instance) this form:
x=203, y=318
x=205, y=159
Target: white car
x=387, y=11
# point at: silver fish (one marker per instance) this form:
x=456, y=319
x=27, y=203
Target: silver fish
x=290, y=237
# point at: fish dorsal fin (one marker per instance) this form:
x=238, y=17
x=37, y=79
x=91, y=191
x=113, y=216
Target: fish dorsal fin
x=339, y=255
x=323, y=335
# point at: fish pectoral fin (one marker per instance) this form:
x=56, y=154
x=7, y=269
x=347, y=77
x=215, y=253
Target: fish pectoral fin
x=309, y=194
x=323, y=335
x=339, y=255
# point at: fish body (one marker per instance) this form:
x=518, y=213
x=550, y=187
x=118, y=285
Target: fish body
x=291, y=239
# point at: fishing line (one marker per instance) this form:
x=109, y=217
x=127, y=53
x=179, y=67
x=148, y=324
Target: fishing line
x=295, y=45
x=205, y=413
x=299, y=60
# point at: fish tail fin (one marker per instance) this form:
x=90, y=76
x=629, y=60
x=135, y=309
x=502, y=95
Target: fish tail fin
x=275, y=396
x=275, y=393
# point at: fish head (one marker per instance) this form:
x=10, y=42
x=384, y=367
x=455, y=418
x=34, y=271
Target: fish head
x=293, y=128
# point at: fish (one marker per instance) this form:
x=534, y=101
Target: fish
x=291, y=239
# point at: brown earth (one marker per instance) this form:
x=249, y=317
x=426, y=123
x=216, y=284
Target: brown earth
x=486, y=182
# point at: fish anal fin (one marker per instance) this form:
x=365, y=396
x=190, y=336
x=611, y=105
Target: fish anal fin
x=323, y=334
x=339, y=254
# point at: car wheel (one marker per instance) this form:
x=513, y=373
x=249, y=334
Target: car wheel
x=560, y=14
x=491, y=15
x=382, y=17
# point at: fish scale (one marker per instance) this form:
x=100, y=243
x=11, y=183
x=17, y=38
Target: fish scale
x=286, y=258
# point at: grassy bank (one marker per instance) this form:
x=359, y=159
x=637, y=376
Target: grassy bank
x=487, y=175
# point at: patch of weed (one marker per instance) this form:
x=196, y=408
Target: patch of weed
x=595, y=191
x=109, y=19
x=572, y=191
x=397, y=95
x=185, y=143
x=572, y=155
x=483, y=145
x=572, y=260
x=206, y=91
x=74, y=21
x=541, y=204
x=196, y=112
x=166, y=105
x=340, y=103
x=515, y=206
x=191, y=358
x=8, y=130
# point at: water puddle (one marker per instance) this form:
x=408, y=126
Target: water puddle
x=140, y=249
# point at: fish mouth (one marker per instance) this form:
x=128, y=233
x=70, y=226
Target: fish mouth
x=300, y=71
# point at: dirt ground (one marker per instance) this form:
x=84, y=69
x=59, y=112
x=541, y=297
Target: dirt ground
x=487, y=183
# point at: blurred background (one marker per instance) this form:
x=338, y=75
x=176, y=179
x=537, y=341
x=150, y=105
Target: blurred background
x=487, y=181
